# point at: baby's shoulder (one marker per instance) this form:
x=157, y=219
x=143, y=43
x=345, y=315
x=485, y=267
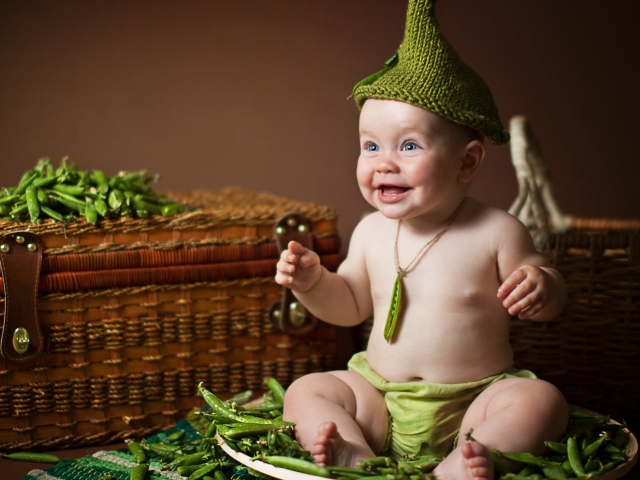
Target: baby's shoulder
x=373, y=225
x=497, y=224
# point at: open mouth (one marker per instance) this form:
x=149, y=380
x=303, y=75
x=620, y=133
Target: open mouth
x=392, y=193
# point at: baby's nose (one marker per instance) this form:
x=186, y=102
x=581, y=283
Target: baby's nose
x=386, y=164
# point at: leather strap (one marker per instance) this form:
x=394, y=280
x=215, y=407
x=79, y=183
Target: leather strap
x=20, y=260
x=289, y=315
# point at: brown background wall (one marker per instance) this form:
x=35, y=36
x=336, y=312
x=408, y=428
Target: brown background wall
x=254, y=92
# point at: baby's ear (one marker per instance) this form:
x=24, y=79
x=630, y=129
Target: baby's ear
x=472, y=157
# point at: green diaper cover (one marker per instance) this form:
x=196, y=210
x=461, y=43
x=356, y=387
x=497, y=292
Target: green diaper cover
x=425, y=417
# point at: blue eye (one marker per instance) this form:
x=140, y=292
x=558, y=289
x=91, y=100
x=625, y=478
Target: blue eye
x=409, y=146
x=371, y=147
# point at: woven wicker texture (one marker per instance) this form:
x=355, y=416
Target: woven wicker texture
x=591, y=351
x=136, y=316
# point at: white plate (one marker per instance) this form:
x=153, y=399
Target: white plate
x=263, y=467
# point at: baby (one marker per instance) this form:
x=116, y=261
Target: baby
x=441, y=273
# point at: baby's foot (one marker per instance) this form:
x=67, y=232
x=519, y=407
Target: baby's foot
x=472, y=461
x=330, y=448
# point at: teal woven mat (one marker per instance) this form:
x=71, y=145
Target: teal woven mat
x=116, y=464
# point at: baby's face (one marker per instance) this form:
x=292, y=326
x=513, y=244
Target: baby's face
x=409, y=159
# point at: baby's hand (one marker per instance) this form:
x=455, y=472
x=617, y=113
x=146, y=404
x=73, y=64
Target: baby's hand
x=299, y=268
x=525, y=291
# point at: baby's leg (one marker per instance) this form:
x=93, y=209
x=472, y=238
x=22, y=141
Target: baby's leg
x=512, y=415
x=340, y=417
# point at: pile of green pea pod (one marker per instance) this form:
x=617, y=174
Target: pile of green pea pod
x=592, y=446
x=66, y=193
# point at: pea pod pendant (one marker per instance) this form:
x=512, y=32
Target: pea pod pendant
x=394, y=308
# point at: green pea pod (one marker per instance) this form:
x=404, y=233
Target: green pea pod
x=193, y=459
x=19, y=210
x=591, y=448
x=617, y=457
x=202, y=471
x=141, y=204
x=347, y=471
x=220, y=408
x=32, y=457
x=115, y=199
x=611, y=448
x=171, y=209
x=68, y=189
x=557, y=447
x=277, y=389
x=44, y=182
x=219, y=475
x=160, y=449
x=245, y=429
x=620, y=437
x=394, y=308
x=524, y=457
x=5, y=210
x=211, y=430
x=101, y=206
x=84, y=180
x=554, y=473
x=52, y=213
x=375, y=462
x=187, y=470
x=298, y=465
x=592, y=465
x=137, y=451
x=74, y=204
x=9, y=199
x=26, y=180
x=43, y=164
x=101, y=181
x=43, y=198
x=573, y=453
x=139, y=472
x=498, y=464
x=90, y=213
x=177, y=435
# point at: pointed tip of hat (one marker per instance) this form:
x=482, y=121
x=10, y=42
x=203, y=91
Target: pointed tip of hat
x=427, y=72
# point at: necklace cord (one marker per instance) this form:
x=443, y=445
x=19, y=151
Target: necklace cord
x=402, y=271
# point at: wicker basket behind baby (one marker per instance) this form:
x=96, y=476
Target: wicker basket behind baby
x=591, y=351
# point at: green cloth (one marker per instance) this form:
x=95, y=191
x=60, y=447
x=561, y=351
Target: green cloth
x=427, y=72
x=117, y=464
x=424, y=418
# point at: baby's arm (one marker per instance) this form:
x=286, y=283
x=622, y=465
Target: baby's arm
x=531, y=288
x=341, y=298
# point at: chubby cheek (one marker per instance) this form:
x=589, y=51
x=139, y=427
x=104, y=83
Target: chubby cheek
x=364, y=175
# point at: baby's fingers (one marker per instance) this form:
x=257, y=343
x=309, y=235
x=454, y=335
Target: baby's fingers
x=515, y=279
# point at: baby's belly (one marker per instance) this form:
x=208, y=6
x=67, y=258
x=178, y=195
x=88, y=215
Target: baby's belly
x=453, y=349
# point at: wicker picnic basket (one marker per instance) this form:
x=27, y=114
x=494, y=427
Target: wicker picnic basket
x=134, y=313
x=591, y=351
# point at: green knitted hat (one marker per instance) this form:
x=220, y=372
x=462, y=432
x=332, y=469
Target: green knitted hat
x=427, y=72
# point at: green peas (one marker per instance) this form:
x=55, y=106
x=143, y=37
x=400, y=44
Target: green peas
x=220, y=408
x=32, y=457
x=73, y=190
x=202, y=471
x=297, y=465
x=574, y=457
x=137, y=451
x=139, y=472
x=91, y=214
x=276, y=389
x=71, y=193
